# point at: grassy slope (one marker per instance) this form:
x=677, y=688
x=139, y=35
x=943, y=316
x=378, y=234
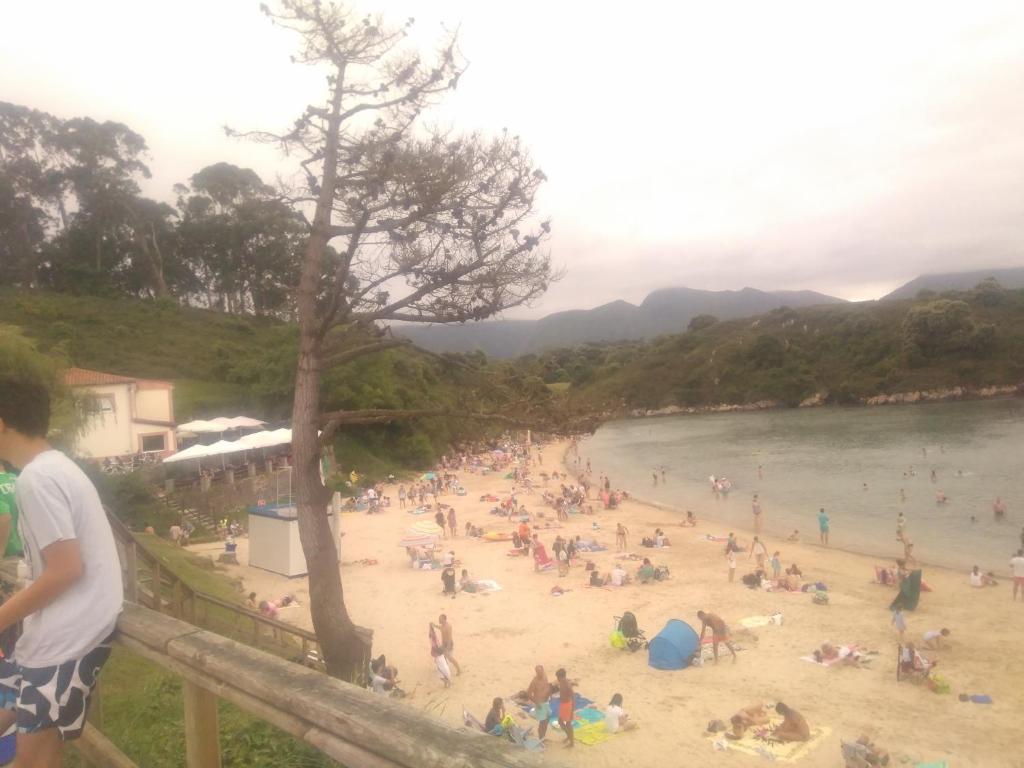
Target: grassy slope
x=224, y=364
x=849, y=352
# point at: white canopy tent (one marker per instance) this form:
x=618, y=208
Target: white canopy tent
x=255, y=441
x=220, y=424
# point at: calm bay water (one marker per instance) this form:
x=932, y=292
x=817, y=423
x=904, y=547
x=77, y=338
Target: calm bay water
x=823, y=457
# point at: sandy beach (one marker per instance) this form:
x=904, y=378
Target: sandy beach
x=500, y=637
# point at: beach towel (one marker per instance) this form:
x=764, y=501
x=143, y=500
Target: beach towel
x=761, y=621
x=496, y=536
x=418, y=511
x=583, y=711
x=758, y=741
x=591, y=733
x=487, y=585
x=910, y=592
x=591, y=546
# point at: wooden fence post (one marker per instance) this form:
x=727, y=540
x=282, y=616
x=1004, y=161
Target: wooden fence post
x=155, y=575
x=202, y=732
x=131, y=577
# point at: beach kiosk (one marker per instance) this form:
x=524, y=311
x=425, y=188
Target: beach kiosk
x=274, y=538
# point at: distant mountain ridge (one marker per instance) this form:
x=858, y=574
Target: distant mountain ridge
x=1011, y=278
x=667, y=310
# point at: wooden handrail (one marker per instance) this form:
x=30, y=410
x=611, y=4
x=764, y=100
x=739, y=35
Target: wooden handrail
x=347, y=723
x=301, y=644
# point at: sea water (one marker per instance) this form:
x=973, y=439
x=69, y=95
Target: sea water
x=851, y=461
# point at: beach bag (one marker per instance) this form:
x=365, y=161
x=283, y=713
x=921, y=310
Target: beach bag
x=938, y=684
x=618, y=640
x=820, y=598
x=661, y=573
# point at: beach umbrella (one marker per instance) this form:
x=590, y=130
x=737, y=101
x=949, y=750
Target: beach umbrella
x=422, y=533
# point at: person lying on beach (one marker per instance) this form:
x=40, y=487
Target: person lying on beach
x=863, y=753
x=495, y=716
x=844, y=655
x=755, y=714
x=646, y=572
x=793, y=726
x=719, y=633
x=933, y=638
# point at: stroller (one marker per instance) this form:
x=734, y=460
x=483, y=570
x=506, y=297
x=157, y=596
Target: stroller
x=631, y=632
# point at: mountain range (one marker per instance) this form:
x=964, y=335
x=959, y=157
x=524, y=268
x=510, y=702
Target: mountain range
x=1011, y=278
x=668, y=310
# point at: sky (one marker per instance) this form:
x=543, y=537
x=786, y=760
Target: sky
x=840, y=147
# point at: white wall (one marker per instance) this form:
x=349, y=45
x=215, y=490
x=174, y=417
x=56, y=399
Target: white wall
x=108, y=434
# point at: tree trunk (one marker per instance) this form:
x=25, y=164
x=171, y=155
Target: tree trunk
x=344, y=649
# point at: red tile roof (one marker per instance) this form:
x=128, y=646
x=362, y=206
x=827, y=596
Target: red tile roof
x=82, y=377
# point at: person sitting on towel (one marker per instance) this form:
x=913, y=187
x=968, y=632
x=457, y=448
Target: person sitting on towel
x=618, y=576
x=793, y=726
x=615, y=717
x=646, y=572
x=495, y=716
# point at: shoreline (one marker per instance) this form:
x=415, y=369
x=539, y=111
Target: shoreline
x=767, y=533
x=501, y=636
x=819, y=400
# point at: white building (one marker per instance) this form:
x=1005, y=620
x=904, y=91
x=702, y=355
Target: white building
x=127, y=415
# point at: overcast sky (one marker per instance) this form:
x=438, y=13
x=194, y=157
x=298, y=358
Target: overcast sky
x=842, y=147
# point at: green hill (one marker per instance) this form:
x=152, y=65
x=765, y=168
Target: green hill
x=846, y=353
x=228, y=364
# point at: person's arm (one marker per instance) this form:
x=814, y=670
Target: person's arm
x=62, y=567
x=5, y=527
x=703, y=629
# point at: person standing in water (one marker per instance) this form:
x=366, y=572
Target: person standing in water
x=999, y=508
x=823, y=526
x=755, y=507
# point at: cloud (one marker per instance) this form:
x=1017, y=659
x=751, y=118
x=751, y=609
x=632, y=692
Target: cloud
x=844, y=148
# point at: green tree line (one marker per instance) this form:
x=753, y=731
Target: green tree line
x=73, y=218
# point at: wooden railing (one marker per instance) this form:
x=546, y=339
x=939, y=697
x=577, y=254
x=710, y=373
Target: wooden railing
x=346, y=723
x=151, y=583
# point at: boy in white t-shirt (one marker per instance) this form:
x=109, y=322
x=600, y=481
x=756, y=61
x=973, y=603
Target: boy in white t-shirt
x=70, y=604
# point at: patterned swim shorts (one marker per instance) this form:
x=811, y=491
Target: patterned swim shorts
x=52, y=697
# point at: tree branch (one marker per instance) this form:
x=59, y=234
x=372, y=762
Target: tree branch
x=348, y=355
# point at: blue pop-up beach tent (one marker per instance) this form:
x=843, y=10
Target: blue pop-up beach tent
x=674, y=646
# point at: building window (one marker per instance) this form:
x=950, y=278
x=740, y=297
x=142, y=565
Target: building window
x=154, y=443
x=101, y=406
